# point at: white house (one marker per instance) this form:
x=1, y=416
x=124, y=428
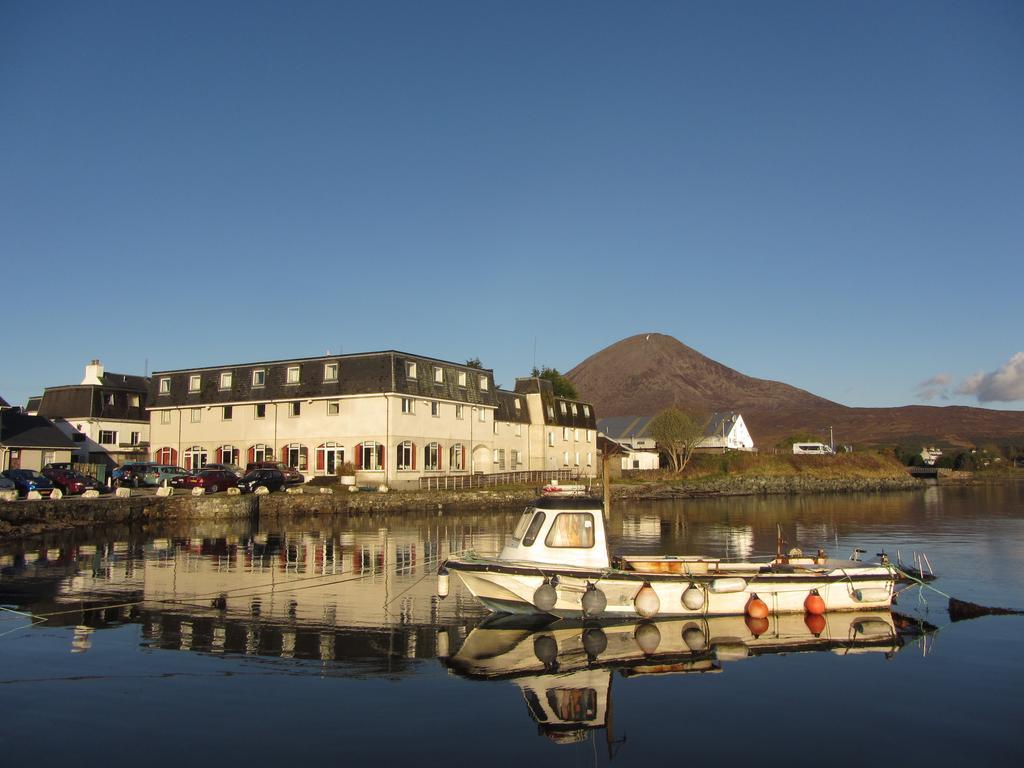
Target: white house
x=726, y=432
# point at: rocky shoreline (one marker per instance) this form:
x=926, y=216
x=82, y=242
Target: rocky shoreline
x=28, y=518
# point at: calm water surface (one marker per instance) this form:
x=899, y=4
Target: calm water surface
x=320, y=641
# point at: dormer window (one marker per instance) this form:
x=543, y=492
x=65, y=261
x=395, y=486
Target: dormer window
x=518, y=406
x=410, y=370
x=226, y=379
x=194, y=383
x=573, y=408
x=108, y=398
x=330, y=372
x=551, y=411
x=483, y=384
x=259, y=377
x=165, y=386
x=586, y=411
x=134, y=400
x=561, y=407
x=438, y=374
x=292, y=376
x=462, y=378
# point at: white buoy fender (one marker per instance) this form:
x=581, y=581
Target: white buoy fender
x=693, y=598
x=647, y=603
x=873, y=595
x=734, y=584
x=545, y=597
x=443, y=583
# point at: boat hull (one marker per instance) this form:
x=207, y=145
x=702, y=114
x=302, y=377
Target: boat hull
x=510, y=588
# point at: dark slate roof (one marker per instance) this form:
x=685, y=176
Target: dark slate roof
x=91, y=401
x=4, y=403
x=33, y=403
x=721, y=424
x=584, y=418
x=507, y=410
x=19, y=430
x=625, y=427
x=358, y=374
x=125, y=381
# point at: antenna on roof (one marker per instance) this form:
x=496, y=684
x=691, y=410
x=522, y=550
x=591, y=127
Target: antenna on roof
x=147, y=367
x=535, y=351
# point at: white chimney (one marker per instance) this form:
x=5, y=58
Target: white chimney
x=93, y=373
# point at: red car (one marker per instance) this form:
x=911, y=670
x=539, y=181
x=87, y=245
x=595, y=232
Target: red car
x=69, y=481
x=212, y=480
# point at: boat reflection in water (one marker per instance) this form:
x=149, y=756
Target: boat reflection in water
x=564, y=668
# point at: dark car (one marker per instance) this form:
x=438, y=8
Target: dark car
x=291, y=476
x=233, y=468
x=211, y=480
x=272, y=479
x=69, y=481
x=131, y=474
x=26, y=480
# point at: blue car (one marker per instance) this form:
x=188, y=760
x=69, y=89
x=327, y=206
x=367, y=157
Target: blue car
x=26, y=480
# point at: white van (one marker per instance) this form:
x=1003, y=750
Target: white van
x=819, y=449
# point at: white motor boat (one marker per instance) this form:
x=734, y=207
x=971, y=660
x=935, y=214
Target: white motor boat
x=557, y=562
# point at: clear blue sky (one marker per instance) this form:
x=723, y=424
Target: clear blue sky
x=826, y=194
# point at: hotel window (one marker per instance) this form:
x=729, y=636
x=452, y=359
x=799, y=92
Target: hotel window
x=261, y=410
x=577, y=457
x=410, y=370
x=565, y=458
x=165, y=417
x=499, y=458
x=518, y=405
x=296, y=456
x=408, y=405
x=226, y=379
x=573, y=406
x=590, y=458
x=165, y=386
x=196, y=457
x=456, y=460
x=108, y=437
x=406, y=456
x=561, y=407
x=516, y=459
x=259, y=377
x=292, y=377
x=586, y=411
x=551, y=412
x=519, y=430
x=462, y=378
x=196, y=414
x=330, y=372
x=227, y=454
x=435, y=408
x=551, y=439
x=590, y=436
x=483, y=415
x=333, y=407
x=483, y=383
x=108, y=398
x=134, y=400
x=438, y=374
x=261, y=452
x=458, y=411
x=576, y=434
x=432, y=457
x=565, y=433
x=229, y=412
x=194, y=383
x=495, y=429
x=295, y=408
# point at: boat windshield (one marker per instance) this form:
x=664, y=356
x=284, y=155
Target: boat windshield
x=571, y=529
x=524, y=521
x=535, y=526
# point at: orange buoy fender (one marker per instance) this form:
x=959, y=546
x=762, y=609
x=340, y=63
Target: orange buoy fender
x=756, y=607
x=814, y=604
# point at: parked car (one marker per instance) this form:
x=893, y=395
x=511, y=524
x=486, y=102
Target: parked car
x=6, y=484
x=212, y=480
x=131, y=473
x=273, y=479
x=158, y=474
x=291, y=476
x=233, y=468
x=26, y=480
x=68, y=480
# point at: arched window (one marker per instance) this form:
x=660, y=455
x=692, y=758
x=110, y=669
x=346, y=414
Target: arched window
x=260, y=452
x=227, y=454
x=167, y=456
x=196, y=457
x=406, y=456
x=329, y=456
x=457, y=458
x=432, y=457
x=295, y=456
x=370, y=456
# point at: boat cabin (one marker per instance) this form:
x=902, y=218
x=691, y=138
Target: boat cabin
x=560, y=530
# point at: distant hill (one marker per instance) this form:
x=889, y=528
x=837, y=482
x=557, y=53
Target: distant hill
x=643, y=374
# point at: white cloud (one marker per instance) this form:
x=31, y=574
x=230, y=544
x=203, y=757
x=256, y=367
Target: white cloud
x=936, y=386
x=1004, y=385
